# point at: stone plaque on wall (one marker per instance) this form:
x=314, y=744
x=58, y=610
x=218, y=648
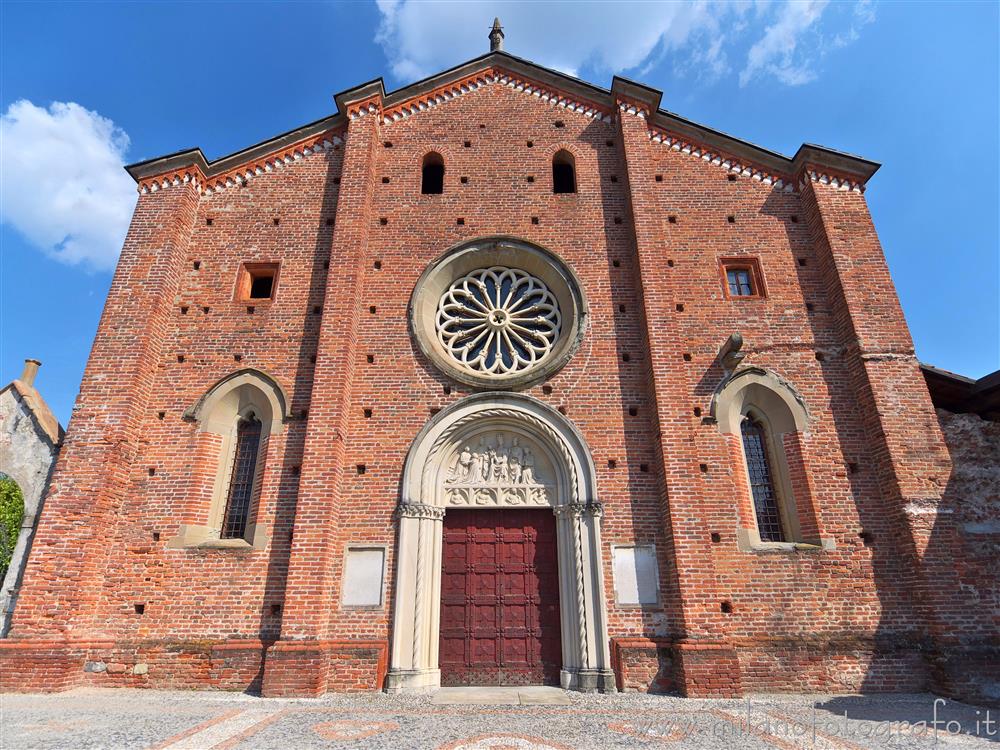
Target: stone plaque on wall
x=363, y=577
x=636, y=579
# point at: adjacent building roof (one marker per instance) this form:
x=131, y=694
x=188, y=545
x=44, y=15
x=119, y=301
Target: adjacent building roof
x=646, y=101
x=961, y=395
x=33, y=402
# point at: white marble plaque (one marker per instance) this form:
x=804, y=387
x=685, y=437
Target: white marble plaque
x=636, y=578
x=363, y=576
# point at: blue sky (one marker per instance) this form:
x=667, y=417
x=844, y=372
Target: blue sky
x=85, y=87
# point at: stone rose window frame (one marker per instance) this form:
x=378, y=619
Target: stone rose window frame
x=506, y=253
x=496, y=321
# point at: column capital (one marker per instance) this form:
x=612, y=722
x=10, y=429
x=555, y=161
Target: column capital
x=420, y=510
x=578, y=510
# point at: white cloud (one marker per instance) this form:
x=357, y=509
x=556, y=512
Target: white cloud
x=422, y=38
x=62, y=182
x=775, y=52
x=864, y=14
x=701, y=38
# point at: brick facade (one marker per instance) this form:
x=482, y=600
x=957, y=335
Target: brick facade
x=338, y=206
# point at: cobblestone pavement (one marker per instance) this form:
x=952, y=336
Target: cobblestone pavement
x=92, y=718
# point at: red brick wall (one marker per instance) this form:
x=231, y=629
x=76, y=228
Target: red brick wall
x=642, y=664
x=101, y=544
x=75, y=544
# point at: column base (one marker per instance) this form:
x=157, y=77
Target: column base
x=588, y=680
x=412, y=680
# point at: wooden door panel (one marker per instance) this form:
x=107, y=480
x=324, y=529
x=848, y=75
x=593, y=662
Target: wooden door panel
x=500, y=598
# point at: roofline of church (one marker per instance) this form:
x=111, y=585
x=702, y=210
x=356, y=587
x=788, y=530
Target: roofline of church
x=808, y=154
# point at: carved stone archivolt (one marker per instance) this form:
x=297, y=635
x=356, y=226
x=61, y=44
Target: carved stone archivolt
x=496, y=450
x=500, y=414
x=497, y=470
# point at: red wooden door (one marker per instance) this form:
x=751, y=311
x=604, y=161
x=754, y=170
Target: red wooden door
x=500, y=598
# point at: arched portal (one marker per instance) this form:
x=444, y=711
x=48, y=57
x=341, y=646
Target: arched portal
x=496, y=451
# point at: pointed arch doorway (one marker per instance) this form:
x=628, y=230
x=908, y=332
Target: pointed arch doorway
x=516, y=477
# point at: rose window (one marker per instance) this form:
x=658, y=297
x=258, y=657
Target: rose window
x=496, y=321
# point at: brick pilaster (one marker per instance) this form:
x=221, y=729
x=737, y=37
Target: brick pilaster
x=907, y=450
x=694, y=607
x=311, y=592
x=64, y=576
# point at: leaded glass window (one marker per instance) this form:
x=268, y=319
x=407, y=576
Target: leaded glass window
x=765, y=500
x=241, y=481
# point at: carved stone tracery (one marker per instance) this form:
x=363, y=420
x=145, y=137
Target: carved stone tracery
x=501, y=413
x=495, y=321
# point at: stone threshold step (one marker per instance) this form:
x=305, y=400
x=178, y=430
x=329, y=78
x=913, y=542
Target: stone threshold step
x=500, y=696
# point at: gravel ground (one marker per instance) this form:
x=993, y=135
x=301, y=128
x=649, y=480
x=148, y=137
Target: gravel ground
x=172, y=720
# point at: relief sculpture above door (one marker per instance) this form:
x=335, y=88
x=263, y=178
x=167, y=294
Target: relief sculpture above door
x=498, y=469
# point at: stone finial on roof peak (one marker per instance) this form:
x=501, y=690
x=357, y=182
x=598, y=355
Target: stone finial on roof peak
x=496, y=36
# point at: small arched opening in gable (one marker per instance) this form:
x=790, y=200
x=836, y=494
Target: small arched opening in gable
x=563, y=172
x=432, y=174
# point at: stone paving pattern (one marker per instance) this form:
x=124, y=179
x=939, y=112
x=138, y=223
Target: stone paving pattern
x=95, y=718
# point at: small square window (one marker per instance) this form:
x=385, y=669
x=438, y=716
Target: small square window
x=740, y=282
x=257, y=281
x=742, y=278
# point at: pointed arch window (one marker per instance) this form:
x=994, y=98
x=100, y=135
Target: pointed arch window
x=563, y=172
x=765, y=418
x=432, y=174
x=242, y=477
x=762, y=487
x=237, y=420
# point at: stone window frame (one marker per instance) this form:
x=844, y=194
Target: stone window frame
x=783, y=414
x=513, y=333
x=512, y=252
x=655, y=606
x=380, y=607
x=217, y=414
